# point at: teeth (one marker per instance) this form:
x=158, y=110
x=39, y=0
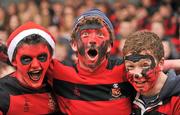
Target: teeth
x=140, y=82
x=35, y=75
x=35, y=72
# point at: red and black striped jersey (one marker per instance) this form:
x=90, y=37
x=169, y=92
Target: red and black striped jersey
x=167, y=102
x=103, y=92
x=16, y=99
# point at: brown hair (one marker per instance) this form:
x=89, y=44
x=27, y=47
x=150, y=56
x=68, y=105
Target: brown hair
x=144, y=40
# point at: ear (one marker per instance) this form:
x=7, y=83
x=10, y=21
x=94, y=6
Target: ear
x=74, y=46
x=109, y=48
x=161, y=64
x=14, y=63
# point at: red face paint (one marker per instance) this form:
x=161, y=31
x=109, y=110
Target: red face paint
x=141, y=75
x=93, y=46
x=32, y=62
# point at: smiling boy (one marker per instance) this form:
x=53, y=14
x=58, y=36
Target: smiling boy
x=157, y=92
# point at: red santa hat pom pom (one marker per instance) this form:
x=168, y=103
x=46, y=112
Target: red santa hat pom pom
x=24, y=30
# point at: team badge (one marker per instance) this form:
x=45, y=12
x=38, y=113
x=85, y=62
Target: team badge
x=116, y=91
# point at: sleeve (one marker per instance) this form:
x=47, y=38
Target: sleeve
x=55, y=69
x=59, y=71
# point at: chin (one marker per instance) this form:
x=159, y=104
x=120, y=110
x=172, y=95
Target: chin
x=36, y=85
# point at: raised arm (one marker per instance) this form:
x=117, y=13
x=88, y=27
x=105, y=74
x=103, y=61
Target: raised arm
x=172, y=64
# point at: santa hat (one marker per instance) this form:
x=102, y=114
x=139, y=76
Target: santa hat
x=25, y=30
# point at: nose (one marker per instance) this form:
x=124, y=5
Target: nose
x=92, y=40
x=35, y=63
x=137, y=72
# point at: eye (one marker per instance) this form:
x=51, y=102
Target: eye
x=26, y=59
x=42, y=57
x=84, y=34
x=100, y=34
x=129, y=67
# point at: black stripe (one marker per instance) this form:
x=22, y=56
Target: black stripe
x=13, y=87
x=89, y=92
x=4, y=100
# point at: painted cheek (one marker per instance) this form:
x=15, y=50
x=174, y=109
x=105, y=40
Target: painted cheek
x=150, y=81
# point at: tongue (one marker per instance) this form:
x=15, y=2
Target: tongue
x=34, y=77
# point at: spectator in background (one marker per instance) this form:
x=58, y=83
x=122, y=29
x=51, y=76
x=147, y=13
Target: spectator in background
x=169, y=48
x=169, y=19
x=22, y=8
x=57, y=11
x=54, y=30
x=14, y=22
x=67, y=22
x=12, y=9
x=3, y=19
x=45, y=12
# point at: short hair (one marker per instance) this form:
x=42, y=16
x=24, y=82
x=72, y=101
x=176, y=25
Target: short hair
x=33, y=39
x=144, y=40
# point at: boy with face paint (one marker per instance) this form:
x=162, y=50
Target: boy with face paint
x=157, y=93
x=26, y=91
x=95, y=84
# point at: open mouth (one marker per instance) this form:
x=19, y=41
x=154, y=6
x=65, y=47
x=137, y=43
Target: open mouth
x=92, y=53
x=35, y=75
x=140, y=82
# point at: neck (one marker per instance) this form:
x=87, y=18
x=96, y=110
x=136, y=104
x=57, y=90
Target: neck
x=91, y=69
x=158, y=85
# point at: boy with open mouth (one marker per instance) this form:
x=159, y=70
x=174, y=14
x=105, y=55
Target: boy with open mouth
x=26, y=91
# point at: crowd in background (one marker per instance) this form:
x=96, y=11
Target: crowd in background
x=127, y=16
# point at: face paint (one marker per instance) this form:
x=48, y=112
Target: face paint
x=32, y=62
x=142, y=72
x=93, y=46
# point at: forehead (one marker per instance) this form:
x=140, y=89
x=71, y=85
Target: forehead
x=141, y=61
x=32, y=49
x=95, y=28
x=144, y=56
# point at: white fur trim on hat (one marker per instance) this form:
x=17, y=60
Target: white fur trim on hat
x=25, y=33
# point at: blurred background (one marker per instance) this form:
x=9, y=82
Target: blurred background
x=127, y=16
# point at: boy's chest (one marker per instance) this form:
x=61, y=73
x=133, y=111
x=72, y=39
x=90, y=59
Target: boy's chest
x=31, y=104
